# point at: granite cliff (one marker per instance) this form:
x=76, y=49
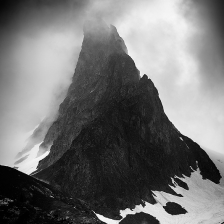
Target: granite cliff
x=112, y=144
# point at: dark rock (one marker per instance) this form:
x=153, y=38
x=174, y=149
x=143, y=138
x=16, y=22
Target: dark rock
x=139, y=218
x=181, y=183
x=208, y=170
x=174, y=208
x=24, y=199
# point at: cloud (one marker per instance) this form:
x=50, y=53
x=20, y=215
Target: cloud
x=207, y=45
x=177, y=43
x=207, y=49
x=39, y=133
x=39, y=42
x=21, y=160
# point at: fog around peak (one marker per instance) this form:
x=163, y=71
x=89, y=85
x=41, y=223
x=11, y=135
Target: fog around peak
x=177, y=43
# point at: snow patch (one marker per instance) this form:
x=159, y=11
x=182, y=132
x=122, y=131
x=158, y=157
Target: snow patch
x=204, y=203
x=30, y=164
x=106, y=220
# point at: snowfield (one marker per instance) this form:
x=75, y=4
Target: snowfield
x=30, y=164
x=218, y=159
x=204, y=202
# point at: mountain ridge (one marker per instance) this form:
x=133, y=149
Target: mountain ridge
x=112, y=142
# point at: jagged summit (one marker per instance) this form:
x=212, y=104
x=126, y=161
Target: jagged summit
x=103, y=68
x=97, y=31
x=112, y=144
x=119, y=43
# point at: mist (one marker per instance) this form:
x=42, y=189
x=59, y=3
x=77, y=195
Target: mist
x=39, y=48
x=173, y=42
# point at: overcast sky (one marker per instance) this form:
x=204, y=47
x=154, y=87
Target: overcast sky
x=177, y=43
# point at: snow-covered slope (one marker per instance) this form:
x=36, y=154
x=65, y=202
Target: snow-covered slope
x=204, y=203
x=218, y=159
x=29, y=165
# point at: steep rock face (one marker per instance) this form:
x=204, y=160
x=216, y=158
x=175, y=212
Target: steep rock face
x=113, y=143
x=102, y=69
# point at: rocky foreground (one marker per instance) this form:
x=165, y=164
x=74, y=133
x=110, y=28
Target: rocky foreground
x=25, y=200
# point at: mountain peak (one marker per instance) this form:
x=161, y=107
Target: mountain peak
x=118, y=41
x=95, y=27
x=97, y=33
x=112, y=143
x=103, y=71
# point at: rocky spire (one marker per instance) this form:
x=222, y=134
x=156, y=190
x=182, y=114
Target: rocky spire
x=112, y=142
x=103, y=68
